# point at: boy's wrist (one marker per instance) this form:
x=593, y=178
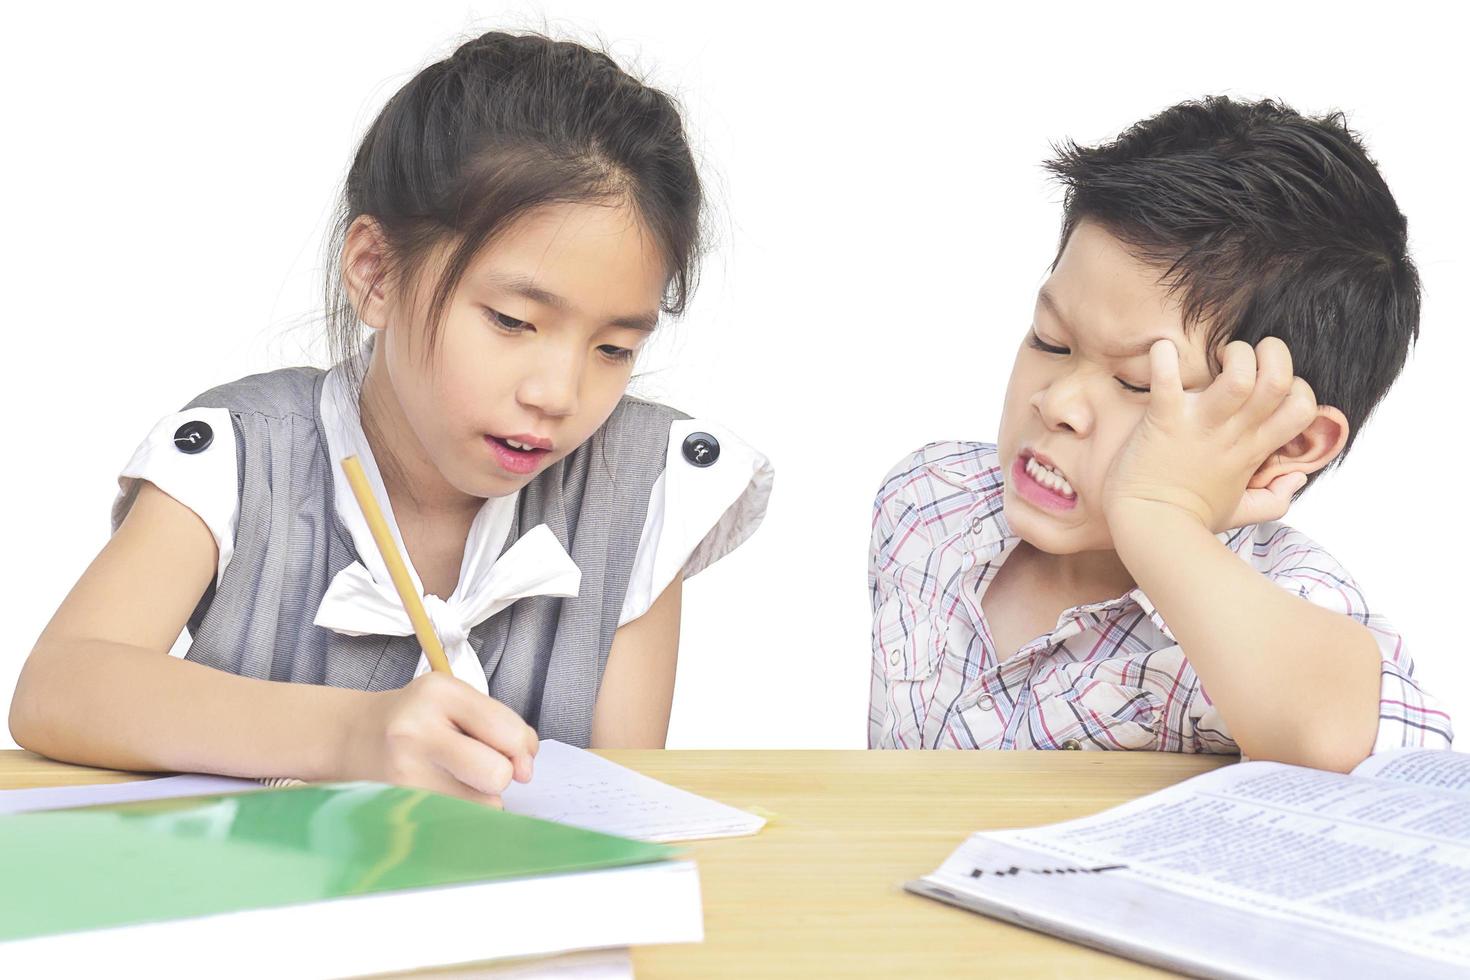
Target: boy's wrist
x=1136, y=521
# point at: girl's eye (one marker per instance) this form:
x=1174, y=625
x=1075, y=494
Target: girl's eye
x=509, y=323
x=616, y=353
x=1133, y=388
x=1036, y=343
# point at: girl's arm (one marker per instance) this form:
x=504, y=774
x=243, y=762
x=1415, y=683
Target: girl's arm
x=100, y=689
x=637, y=691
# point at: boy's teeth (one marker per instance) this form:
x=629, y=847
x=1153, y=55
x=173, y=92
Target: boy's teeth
x=517, y=445
x=1049, y=478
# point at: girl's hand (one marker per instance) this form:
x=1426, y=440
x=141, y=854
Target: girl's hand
x=438, y=733
x=1197, y=451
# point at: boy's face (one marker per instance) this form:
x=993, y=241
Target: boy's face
x=1069, y=403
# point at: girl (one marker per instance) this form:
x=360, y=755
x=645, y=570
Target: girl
x=512, y=226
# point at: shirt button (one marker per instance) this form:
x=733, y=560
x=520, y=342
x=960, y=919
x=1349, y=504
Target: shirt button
x=893, y=657
x=193, y=437
x=701, y=449
x=1072, y=744
x=985, y=702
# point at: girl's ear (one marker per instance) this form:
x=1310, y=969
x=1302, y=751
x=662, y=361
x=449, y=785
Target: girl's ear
x=364, y=265
x=1316, y=446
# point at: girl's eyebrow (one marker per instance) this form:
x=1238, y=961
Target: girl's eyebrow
x=527, y=288
x=1115, y=353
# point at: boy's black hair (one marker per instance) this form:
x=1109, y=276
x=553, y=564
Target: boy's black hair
x=1268, y=224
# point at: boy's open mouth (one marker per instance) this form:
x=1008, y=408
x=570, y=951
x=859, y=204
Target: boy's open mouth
x=1045, y=475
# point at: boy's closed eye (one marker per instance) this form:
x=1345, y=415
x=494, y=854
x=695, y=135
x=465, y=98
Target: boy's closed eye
x=1038, y=344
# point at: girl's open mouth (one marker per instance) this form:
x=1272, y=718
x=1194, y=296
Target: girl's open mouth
x=521, y=455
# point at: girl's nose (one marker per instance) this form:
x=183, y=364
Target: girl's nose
x=552, y=387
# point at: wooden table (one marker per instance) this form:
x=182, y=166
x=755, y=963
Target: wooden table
x=819, y=891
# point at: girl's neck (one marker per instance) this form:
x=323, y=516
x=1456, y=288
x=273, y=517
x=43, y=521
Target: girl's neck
x=414, y=483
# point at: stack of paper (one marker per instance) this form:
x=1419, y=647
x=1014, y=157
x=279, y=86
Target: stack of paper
x=328, y=880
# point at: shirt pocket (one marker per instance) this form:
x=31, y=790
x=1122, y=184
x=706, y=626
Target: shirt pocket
x=906, y=650
x=907, y=643
x=1088, y=712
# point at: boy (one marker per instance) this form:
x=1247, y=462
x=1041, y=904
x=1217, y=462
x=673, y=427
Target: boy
x=1231, y=297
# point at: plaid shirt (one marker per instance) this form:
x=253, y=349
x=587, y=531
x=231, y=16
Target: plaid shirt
x=1109, y=676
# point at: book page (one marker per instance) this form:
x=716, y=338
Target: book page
x=1360, y=860
x=575, y=787
x=1440, y=768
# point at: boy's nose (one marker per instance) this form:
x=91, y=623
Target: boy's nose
x=1063, y=407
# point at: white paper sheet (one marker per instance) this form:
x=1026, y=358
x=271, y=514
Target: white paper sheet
x=575, y=787
x=569, y=786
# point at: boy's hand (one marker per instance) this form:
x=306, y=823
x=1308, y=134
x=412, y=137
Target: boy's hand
x=1197, y=451
x=439, y=733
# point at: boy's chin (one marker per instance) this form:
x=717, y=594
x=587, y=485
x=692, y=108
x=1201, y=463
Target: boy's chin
x=1045, y=535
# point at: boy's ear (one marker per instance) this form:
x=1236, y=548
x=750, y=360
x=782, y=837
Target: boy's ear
x=1316, y=446
x=364, y=260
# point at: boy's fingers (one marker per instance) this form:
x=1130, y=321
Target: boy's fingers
x=1273, y=380
x=1292, y=415
x=1230, y=390
x=1166, y=392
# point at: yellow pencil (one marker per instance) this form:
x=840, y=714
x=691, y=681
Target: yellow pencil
x=414, y=606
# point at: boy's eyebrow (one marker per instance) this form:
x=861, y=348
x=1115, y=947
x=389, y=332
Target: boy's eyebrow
x=526, y=287
x=1116, y=353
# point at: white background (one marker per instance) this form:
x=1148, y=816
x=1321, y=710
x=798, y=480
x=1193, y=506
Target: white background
x=882, y=223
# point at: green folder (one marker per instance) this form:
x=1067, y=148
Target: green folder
x=123, y=864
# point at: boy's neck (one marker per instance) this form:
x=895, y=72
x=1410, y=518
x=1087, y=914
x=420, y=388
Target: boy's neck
x=1089, y=576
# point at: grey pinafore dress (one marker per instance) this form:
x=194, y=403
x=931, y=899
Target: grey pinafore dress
x=543, y=656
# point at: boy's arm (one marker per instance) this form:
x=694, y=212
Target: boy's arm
x=1294, y=682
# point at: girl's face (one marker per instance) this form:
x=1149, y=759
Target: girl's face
x=536, y=346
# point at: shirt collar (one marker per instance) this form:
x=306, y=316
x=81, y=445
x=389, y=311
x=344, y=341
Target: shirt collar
x=990, y=540
x=342, y=426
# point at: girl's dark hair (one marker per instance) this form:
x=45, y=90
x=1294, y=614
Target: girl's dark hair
x=1266, y=223
x=506, y=124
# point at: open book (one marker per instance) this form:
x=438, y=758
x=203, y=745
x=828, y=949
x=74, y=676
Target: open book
x=1254, y=870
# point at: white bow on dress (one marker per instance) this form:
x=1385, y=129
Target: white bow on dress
x=361, y=599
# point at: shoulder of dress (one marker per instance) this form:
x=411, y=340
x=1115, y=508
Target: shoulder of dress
x=287, y=391
x=630, y=407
